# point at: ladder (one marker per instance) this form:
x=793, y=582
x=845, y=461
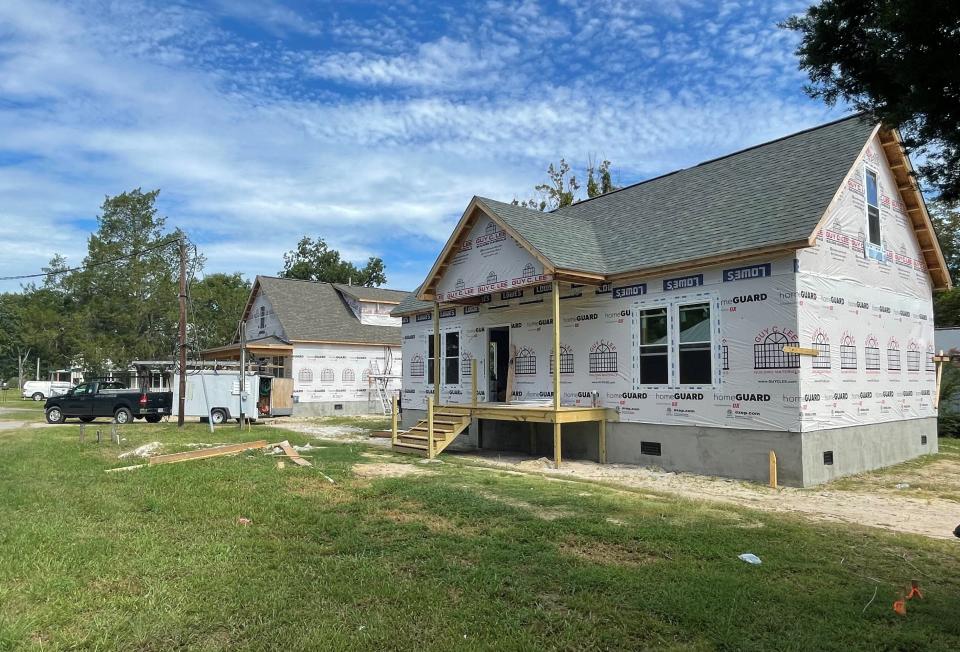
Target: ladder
x=381, y=381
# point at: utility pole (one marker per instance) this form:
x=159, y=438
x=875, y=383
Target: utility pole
x=183, y=331
x=243, y=365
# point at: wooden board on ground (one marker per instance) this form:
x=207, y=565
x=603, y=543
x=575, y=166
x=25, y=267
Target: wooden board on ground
x=382, y=434
x=292, y=454
x=204, y=453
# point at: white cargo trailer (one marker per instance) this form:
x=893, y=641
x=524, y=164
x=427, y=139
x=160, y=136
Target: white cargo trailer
x=217, y=395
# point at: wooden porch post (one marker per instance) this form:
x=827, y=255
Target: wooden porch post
x=436, y=352
x=393, y=420
x=556, y=345
x=556, y=373
x=603, y=441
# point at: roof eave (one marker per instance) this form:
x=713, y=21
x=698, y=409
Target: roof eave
x=427, y=291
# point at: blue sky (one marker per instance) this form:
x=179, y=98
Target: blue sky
x=370, y=124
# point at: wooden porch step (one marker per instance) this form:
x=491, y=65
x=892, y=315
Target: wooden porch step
x=436, y=431
x=405, y=435
x=410, y=449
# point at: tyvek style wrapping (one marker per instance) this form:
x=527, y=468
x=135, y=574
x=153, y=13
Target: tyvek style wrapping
x=866, y=309
x=338, y=372
x=489, y=260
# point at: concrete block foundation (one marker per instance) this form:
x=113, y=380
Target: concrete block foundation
x=724, y=452
x=331, y=409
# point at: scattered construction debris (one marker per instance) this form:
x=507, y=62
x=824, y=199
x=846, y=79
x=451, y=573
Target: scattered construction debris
x=292, y=454
x=126, y=468
x=207, y=452
x=241, y=520
x=750, y=558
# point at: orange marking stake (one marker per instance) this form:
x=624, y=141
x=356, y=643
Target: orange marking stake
x=914, y=590
x=900, y=606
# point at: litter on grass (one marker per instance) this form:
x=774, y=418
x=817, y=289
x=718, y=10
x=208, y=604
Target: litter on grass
x=241, y=520
x=902, y=485
x=750, y=558
x=142, y=451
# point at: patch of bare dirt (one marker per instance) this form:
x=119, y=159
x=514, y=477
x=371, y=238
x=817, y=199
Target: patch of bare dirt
x=931, y=517
x=414, y=513
x=312, y=486
x=603, y=552
x=386, y=470
x=545, y=513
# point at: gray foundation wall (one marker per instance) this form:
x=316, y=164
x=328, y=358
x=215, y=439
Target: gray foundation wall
x=724, y=452
x=863, y=448
x=326, y=408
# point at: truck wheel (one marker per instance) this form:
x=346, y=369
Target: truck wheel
x=123, y=415
x=37, y=396
x=87, y=419
x=218, y=416
x=153, y=418
x=55, y=415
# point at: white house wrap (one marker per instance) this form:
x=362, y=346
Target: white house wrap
x=702, y=344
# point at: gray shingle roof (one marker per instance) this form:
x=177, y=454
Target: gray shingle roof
x=362, y=293
x=313, y=311
x=411, y=304
x=771, y=194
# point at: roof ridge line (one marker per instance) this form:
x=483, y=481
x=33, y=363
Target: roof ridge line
x=715, y=159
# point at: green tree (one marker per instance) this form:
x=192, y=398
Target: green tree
x=313, y=260
x=897, y=59
x=562, y=186
x=126, y=295
x=216, y=302
x=946, y=224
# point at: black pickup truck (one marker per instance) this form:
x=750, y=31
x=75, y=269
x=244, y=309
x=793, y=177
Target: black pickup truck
x=108, y=398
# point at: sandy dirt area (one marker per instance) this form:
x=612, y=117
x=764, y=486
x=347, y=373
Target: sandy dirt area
x=882, y=508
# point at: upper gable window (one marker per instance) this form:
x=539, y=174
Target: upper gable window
x=263, y=317
x=873, y=209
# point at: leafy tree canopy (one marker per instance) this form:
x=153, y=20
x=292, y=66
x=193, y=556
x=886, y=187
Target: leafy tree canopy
x=313, y=260
x=900, y=61
x=217, y=302
x=562, y=186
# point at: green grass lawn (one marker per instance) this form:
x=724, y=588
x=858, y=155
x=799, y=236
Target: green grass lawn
x=455, y=556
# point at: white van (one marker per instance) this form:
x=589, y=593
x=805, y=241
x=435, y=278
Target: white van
x=41, y=390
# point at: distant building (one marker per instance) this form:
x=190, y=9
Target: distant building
x=330, y=340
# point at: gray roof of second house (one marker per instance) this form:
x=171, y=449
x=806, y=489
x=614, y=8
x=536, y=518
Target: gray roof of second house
x=411, y=304
x=363, y=293
x=312, y=311
x=768, y=195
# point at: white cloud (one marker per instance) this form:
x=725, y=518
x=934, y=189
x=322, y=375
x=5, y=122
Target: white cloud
x=251, y=152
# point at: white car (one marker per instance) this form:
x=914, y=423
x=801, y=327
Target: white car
x=41, y=390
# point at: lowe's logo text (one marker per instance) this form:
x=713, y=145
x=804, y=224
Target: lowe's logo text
x=743, y=273
x=629, y=291
x=682, y=283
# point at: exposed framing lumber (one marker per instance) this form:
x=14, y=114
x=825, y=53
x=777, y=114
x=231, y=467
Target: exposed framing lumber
x=204, y=453
x=902, y=169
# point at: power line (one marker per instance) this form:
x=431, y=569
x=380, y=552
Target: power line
x=109, y=261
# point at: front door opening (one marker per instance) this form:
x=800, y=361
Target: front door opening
x=498, y=362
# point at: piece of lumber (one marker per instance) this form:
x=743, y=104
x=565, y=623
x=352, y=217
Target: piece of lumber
x=292, y=454
x=125, y=468
x=381, y=434
x=799, y=350
x=204, y=453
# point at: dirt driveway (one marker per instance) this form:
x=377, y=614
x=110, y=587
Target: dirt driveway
x=871, y=499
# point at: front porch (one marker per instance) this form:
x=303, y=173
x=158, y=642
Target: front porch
x=444, y=422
